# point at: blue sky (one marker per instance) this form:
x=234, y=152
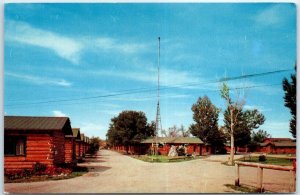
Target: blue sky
x=72, y=51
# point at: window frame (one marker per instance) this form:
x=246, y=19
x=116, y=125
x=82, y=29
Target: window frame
x=15, y=140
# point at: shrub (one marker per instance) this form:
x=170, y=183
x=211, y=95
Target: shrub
x=14, y=174
x=27, y=173
x=262, y=158
x=181, y=151
x=39, y=168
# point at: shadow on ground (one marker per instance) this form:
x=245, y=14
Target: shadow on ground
x=98, y=168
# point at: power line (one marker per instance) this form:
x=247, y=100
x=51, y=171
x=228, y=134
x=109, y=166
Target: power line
x=142, y=90
x=149, y=97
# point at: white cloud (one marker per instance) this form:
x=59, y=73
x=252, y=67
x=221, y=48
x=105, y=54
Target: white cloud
x=39, y=80
x=106, y=43
x=58, y=113
x=168, y=77
x=109, y=112
x=259, y=108
x=271, y=16
x=63, y=46
x=90, y=128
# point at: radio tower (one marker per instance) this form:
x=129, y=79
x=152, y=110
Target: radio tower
x=158, y=127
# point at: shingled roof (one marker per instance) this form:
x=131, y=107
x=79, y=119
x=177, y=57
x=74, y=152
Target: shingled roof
x=285, y=144
x=174, y=140
x=278, y=139
x=82, y=137
x=37, y=123
x=76, y=133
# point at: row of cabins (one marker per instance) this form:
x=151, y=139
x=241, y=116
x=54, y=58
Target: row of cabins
x=196, y=146
x=269, y=146
x=47, y=140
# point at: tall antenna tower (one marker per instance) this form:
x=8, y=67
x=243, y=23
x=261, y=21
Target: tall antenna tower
x=158, y=127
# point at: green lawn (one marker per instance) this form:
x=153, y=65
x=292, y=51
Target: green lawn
x=162, y=159
x=269, y=160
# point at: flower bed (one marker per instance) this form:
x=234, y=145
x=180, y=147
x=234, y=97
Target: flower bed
x=39, y=172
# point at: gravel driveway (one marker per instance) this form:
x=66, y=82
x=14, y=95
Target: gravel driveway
x=111, y=172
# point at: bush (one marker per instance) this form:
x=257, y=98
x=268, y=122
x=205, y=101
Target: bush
x=39, y=168
x=181, y=151
x=262, y=158
x=27, y=173
x=14, y=174
x=221, y=150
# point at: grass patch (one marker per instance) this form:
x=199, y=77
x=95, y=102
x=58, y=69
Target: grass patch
x=227, y=164
x=162, y=158
x=241, y=188
x=269, y=160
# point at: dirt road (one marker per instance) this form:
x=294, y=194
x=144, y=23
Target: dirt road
x=111, y=172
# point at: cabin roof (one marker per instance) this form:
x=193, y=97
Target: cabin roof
x=76, y=133
x=174, y=140
x=37, y=123
x=285, y=144
x=278, y=139
x=82, y=137
x=280, y=144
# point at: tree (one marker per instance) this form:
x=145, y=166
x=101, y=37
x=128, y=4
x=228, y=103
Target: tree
x=206, y=123
x=259, y=136
x=290, y=101
x=176, y=132
x=95, y=144
x=129, y=128
x=246, y=121
x=234, y=109
x=184, y=132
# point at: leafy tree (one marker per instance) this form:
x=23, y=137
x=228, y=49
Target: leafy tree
x=206, y=123
x=246, y=121
x=95, y=144
x=259, y=136
x=290, y=101
x=129, y=128
x=234, y=110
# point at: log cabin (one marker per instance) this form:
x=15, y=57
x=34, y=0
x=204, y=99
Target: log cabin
x=70, y=155
x=87, y=145
x=77, y=137
x=82, y=148
x=28, y=140
x=194, y=146
x=277, y=146
x=269, y=146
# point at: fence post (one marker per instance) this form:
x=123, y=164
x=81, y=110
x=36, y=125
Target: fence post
x=237, y=180
x=259, y=179
x=293, y=181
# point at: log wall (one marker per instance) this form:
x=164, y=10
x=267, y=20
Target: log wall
x=69, y=150
x=77, y=149
x=38, y=149
x=58, y=147
x=82, y=149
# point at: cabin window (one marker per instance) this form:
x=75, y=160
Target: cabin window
x=14, y=145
